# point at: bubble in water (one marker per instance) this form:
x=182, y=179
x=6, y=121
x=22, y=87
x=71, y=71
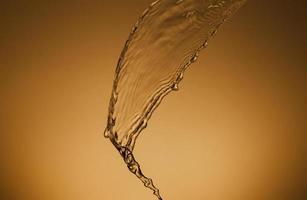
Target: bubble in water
x=165, y=40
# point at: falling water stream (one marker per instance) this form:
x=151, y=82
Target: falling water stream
x=165, y=40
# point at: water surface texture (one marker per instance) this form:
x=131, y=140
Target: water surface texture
x=165, y=40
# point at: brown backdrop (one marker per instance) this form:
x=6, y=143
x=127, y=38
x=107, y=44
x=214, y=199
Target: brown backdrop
x=236, y=130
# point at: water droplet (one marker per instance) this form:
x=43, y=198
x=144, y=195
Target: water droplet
x=106, y=133
x=194, y=58
x=175, y=87
x=204, y=45
x=180, y=76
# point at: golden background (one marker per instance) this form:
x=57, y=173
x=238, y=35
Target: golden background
x=236, y=130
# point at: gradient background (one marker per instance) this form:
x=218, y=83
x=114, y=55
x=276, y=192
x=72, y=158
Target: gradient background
x=236, y=130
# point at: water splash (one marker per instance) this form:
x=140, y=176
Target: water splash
x=165, y=40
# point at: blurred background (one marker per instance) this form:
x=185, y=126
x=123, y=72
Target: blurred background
x=236, y=129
